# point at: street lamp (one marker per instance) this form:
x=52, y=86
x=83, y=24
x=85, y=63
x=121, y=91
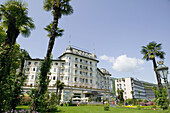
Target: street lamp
x=163, y=72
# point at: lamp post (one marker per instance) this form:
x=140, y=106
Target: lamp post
x=163, y=72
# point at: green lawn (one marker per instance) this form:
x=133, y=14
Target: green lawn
x=99, y=109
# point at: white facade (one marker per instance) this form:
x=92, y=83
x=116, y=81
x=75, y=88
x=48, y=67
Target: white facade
x=78, y=70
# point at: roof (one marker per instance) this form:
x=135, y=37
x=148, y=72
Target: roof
x=37, y=59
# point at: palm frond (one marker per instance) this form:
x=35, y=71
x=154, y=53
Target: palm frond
x=152, y=50
x=58, y=33
x=47, y=5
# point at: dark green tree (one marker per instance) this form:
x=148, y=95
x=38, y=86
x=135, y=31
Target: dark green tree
x=151, y=51
x=14, y=20
x=20, y=78
x=120, y=95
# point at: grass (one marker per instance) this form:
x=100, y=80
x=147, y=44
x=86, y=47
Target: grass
x=98, y=109
x=22, y=107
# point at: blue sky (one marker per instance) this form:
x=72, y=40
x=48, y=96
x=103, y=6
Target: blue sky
x=116, y=29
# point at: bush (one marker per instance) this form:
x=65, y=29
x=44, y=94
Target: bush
x=26, y=100
x=129, y=101
x=106, y=108
x=138, y=107
x=154, y=107
x=145, y=101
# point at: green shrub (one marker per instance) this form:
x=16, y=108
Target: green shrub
x=154, y=107
x=106, y=108
x=64, y=104
x=145, y=101
x=138, y=107
x=26, y=100
x=52, y=108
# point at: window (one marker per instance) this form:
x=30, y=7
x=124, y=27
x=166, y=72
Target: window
x=33, y=69
x=83, y=80
x=80, y=72
x=90, y=69
x=29, y=63
x=86, y=80
x=37, y=69
x=91, y=81
x=80, y=79
x=28, y=69
x=86, y=73
x=62, y=64
x=53, y=77
x=35, y=63
x=76, y=59
x=62, y=70
x=61, y=78
x=80, y=60
x=80, y=66
x=86, y=62
x=75, y=79
x=75, y=71
x=76, y=65
x=54, y=69
x=32, y=77
x=90, y=63
x=56, y=64
x=90, y=74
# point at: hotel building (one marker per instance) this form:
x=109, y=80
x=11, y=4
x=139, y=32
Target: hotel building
x=141, y=90
x=78, y=70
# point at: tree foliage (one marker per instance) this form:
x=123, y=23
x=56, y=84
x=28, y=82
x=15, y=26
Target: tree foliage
x=120, y=95
x=161, y=98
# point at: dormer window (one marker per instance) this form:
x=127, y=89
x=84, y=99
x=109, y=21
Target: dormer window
x=29, y=63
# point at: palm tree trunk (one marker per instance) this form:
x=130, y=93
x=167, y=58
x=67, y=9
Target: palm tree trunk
x=157, y=75
x=43, y=88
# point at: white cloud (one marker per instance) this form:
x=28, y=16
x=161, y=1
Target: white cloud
x=124, y=63
x=110, y=59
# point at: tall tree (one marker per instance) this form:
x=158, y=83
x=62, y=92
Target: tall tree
x=58, y=8
x=151, y=51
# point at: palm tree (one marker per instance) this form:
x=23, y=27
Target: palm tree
x=58, y=8
x=151, y=51
x=14, y=15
